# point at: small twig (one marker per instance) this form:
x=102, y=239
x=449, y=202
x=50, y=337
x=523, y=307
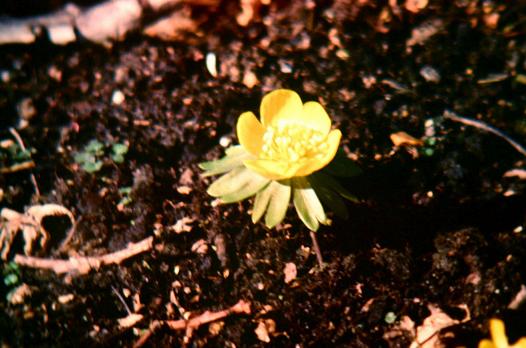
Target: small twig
x=517, y=173
x=481, y=125
x=17, y=167
x=82, y=265
x=241, y=307
x=119, y=296
x=23, y=147
x=316, y=248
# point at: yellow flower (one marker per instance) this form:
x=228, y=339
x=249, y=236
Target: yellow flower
x=292, y=140
x=499, y=338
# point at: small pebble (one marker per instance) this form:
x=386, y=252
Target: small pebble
x=250, y=79
x=430, y=74
x=5, y=75
x=390, y=318
x=285, y=67
x=225, y=141
x=26, y=111
x=117, y=98
x=54, y=73
x=211, y=64
x=290, y=272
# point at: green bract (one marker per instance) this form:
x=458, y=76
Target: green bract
x=310, y=194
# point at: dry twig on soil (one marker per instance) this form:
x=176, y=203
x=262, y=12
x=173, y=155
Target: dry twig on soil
x=481, y=125
x=20, y=143
x=83, y=264
x=17, y=167
x=107, y=21
x=241, y=307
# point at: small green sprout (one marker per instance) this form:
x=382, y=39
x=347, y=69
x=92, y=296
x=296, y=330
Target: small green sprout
x=118, y=151
x=126, y=196
x=11, y=275
x=12, y=154
x=390, y=318
x=91, y=158
x=292, y=154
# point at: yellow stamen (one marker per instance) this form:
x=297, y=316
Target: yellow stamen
x=291, y=142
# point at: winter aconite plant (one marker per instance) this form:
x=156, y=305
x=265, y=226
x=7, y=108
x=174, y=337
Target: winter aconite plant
x=291, y=152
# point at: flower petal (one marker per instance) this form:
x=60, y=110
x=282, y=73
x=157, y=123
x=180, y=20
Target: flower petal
x=333, y=141
x=498, y=333
x=281, y=104
x=315, y=117
x=273, y=170
x=250, y=132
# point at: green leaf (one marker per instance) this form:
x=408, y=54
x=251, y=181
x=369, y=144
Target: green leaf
x=11, y=279
x=95, y=147
x=236, y=185
x=234, y=158
x=307, y=204
x=274, y=199
x=343, y=167
x=92, y=167
x=332, y=200
x=117, y=158
x=83, y=157
x=279, y=203
x=119, y=149
x=320, y=179
x=261, y=202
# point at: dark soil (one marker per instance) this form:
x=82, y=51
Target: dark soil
x=441, y=228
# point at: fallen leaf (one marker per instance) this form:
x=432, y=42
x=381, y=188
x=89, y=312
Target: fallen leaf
x=404, y=139
x=182, y=225
x=427, y=333
x=415, y=6
x=130, y=320
x=405, y=326
x=265, y=328
x=173, y=27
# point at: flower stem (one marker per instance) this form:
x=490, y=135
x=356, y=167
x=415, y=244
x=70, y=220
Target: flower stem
x=316, y=248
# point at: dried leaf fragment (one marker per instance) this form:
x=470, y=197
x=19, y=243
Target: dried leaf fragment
x=415, y=6
x=130, y=320
x=290, y=272
x=404, y=139
x=172, y=27
x=264, y=329
x=182, y=225
x=18, y=295
x=30, y=224
x=426, y=334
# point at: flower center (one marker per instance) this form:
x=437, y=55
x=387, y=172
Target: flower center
x=292, y=142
